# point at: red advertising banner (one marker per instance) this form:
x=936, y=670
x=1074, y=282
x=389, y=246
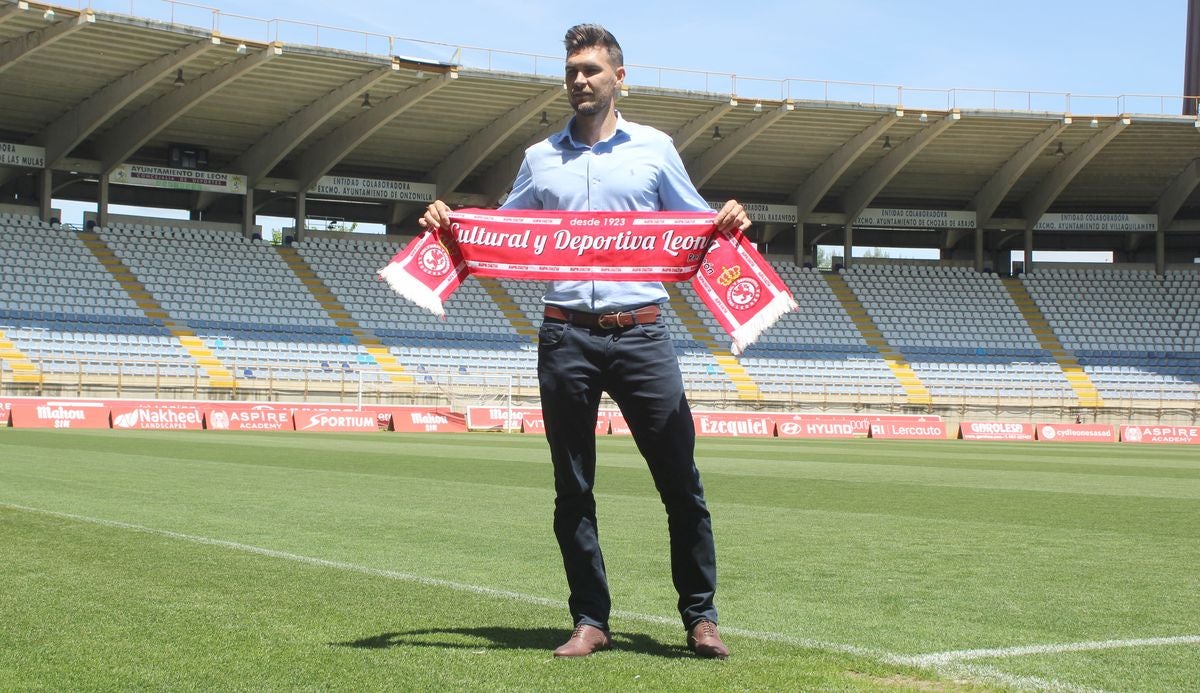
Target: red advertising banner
x=604, y=421
x=821, y=426
x=536, y=423
x=157, y=416
x=498, y=418
x=730, y=424
x=249, y=417
x=425, y=420
x=341, y=421
x=533, y=423
x=995, y=430
x=1076, y=433
x=5, y=412
x=908, y=430
x=1186, y=435
x=59, y=414
x=614, y=423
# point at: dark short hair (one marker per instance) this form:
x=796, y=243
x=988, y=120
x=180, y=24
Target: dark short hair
x=583, y=36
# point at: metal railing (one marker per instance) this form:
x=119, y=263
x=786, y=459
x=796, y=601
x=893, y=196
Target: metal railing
x=291, y=31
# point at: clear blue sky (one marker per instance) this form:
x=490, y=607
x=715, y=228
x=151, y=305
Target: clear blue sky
x=1098, y=47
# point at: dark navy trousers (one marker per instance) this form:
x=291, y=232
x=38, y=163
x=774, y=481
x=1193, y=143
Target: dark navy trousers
x=638, y=369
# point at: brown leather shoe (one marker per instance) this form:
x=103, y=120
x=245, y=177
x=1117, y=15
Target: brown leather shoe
x=705, y=641
x=584, y=640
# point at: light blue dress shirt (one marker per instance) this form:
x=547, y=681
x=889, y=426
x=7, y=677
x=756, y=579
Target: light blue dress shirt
x=635, y=170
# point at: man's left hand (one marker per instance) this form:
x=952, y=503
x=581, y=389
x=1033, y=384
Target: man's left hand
x=732, y=216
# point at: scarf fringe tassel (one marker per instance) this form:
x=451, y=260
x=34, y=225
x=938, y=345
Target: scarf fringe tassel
x=404, y=284
x=749, y=332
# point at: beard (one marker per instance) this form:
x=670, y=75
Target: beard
x=598, y=104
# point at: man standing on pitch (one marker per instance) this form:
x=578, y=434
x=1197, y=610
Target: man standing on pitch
x=605, y=336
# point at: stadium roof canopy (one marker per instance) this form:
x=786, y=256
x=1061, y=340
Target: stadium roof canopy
x=94, y=92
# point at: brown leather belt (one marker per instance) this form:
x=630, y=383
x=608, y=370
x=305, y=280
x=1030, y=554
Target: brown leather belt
x=605, y=321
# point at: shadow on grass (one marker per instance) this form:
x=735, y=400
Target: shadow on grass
x=507, y=638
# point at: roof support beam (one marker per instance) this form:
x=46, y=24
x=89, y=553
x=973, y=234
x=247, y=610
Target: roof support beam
x=996, y=189
x=809, y=194
x=704, y=167
x=62, y=136
x=25, y=46
x=497, y=180
x=9, y=11
x=876, y=179
x=1040, y=198
x=318, y=159
x=699, y=125
x=138, y=129
x=1177, y=192
x=456, y=167
x=258, y=161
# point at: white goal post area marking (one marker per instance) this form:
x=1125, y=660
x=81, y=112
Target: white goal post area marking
x=950, y=663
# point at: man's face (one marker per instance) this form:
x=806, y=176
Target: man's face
x=592, y=80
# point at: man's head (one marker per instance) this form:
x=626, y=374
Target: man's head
x=595, y=69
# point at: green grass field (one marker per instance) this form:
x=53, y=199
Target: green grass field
x=239, y=561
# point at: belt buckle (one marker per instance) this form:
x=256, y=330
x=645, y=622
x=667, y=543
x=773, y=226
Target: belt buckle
x=603, y=321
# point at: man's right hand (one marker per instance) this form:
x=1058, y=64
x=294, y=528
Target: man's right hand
x=437, y=215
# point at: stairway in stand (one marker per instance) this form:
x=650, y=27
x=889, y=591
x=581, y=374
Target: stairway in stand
x=341, y=317
x=508, y=305
x=23, y=370
x=218, y=375
x=914, y=389
x=1077, y=378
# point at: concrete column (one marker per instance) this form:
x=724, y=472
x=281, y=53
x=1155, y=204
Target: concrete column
x=978, y=249
x=46, y=194
x=798, y=253
x=102, y=200
x=301, y=214
x=1028, y=247
x=1160, y=252
x=848, y=246
x=248, y=213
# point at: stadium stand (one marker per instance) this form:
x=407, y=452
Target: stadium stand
x=238, y=296
x=816, y=350
x=67, y=314
x=959, y=329
x=1134, y=332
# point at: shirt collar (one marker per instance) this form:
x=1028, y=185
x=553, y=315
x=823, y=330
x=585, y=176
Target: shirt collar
x=564, y=139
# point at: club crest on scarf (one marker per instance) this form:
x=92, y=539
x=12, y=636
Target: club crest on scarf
x=435, y=259
x=743, y=292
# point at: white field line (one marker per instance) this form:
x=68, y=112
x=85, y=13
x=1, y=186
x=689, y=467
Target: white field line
x=950, y=663
x=975, y=673
x=936, y=658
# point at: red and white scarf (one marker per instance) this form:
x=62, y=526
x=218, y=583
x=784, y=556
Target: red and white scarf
x=734, y=281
